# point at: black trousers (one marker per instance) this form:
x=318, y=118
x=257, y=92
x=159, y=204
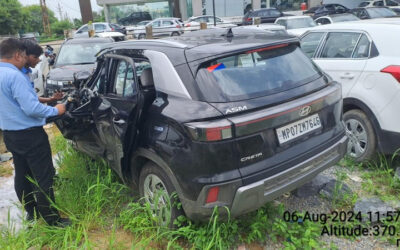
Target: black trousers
x=32, y=158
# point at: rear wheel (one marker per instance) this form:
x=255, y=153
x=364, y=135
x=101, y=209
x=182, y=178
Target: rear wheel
x=156, y=189
x=175, y=33
x=362, y=138
x=141, y=36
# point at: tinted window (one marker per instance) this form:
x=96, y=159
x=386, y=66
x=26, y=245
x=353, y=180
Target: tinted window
x=99, y=27
x=274, y=13
x=310, y=42
x=167, y=23
x=340, y=45
x=344, y=18
x=381, y=12
x=379, y=3
x=156, y=24
x=392, y=3
x=83, y=29
x=363, y=4
x=362, y=49
x=256, y=73
x=298, y=23
x=323, y=21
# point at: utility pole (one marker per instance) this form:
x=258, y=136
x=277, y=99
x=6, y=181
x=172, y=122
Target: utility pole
x=86, y=11
x=60, y=11
x=45, y=17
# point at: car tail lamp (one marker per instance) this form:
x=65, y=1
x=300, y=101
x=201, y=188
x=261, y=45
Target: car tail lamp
x=178, y=26
x=394, y=70
x=210, y=131
x=249, y=19
x=212, y=195
x=187, y=25
x=268, y=48
x=112, y=29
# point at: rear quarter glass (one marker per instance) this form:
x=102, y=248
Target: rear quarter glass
x=255, y=73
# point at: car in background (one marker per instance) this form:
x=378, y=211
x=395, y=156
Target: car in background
x=140, y=25
x=325, y=9
x=78, y=54
x=373, y=12
x=135, y=18
x=296, y=25
x=118, y=28
x=336, y=18
x=162, y=27
x=269, y=27
x=225, y=119
x=266, y=15
x=101, y=30
x=193, y=23
x=34, y=36
x=364, y=58
x=379, y=3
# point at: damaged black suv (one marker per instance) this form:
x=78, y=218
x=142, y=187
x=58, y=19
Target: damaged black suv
x=227, y=118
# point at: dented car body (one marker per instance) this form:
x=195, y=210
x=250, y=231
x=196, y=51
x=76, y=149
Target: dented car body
x=222, y=118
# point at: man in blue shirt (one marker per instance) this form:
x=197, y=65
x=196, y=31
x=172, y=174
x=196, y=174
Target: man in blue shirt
x=22, y=117
x=33, y=52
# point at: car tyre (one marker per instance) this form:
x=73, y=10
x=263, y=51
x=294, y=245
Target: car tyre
x=175, y=33
x=362, y=138
x=157, y=189
x=142, y=36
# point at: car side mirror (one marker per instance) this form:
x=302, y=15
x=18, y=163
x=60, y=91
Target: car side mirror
x=80, y=77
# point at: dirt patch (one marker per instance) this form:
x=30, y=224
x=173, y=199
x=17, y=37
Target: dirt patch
x=2, y=145
x=118, y=239
x=6, y=169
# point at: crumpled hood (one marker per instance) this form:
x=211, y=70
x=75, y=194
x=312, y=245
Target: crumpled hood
x=66, y=73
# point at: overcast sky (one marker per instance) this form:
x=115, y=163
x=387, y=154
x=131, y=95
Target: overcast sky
x=69, y=6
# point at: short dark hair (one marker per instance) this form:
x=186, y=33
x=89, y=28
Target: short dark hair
x=11, y=46
x=32, y=48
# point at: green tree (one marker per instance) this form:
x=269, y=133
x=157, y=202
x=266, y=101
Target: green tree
x=11, y=18
x=59, y=27
x=77, y=23
x=33, y=21
x=99, y=16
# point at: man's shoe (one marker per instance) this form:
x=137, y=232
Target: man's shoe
x=61, y=222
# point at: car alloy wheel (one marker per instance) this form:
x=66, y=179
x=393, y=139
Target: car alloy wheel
x=156, y=194
x=358, y=139
x=142, y=36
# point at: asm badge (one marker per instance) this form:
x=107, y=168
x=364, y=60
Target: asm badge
x=305, y=110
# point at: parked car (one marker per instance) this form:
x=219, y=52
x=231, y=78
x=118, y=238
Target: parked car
x=135, y=18
x=162, y=27
x=378, y=3
x=326, y=9
x=267, y=15
x=296, y=25
x=373, y=12
x=102, y=30
x=140, y=25
x=75, y=55
x=362, y=56
x=118, y=28
x=337, y=18
x=270, y=27
x=193, y=23
x=221, y=117
x=34, y=36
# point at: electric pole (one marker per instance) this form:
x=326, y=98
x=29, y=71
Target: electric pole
x=45, y=17
x=86, y=11
x=60, y=11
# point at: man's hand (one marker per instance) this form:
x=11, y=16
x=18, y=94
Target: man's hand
x=57, y=96
x=60, y=108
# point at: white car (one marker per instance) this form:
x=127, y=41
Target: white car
x=296, y=25
x=271, y=27
x=364, y=57
x=140, y=25
x=193, y=23
x=161, y=27
x=336, y=18
x=103, y=30
x=375, y=3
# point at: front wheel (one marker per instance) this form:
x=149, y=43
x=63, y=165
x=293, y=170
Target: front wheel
x=362, y=138
x=157, y=190
x=142, y=36
x=175, y=33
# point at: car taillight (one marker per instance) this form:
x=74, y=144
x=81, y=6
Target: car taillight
x=249, y=19
x=112, y=29
x=178, y=26
x=268, y=48
x=187, y=25
x=212, y=195
x=210, y=131
x=394, y=70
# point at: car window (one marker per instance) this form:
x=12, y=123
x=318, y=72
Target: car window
x=255, y=73
x=330, y=7
x=156, y=24
x=299, y=23
x=363, y=4
x=83, y=29
x=323, y=21
x=167, y=23
x=124, y=83
x=340, y=8
x=344, y=18
x=74, y=54
x=381, y=12
x=274, y=13
x=282, y=22
x=392, y=3
x=309, y=43
x=340, y=45
x=362, y=49
x=378, y=3
x=99, y=27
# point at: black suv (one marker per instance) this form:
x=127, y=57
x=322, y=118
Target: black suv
x=135, y=18
x=222, y=117
x=326, y=9
x=267, y=15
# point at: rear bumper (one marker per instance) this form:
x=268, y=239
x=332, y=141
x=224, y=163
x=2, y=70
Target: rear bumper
x=251, y=197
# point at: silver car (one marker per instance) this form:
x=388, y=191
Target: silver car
x=101, y=30
x=161, y=27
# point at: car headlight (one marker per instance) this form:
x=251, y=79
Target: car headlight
x=51, y=82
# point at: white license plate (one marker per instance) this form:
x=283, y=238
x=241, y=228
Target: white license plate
x=298, y=128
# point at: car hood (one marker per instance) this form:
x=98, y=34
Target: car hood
x=66, y=72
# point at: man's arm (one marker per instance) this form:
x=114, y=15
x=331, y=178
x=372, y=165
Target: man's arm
x=29, y=102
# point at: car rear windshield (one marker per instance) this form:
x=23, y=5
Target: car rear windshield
x=255, y=73
x=344, y=18
x=381, y=12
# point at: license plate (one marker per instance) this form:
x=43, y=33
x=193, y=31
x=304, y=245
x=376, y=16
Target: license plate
x=298, y=128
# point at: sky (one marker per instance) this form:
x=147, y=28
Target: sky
x=69, y=6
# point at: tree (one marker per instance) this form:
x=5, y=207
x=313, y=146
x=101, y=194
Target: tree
x=32, y=16
x=59, y=27
x=99, y=16
x=11, y=19
x=77, y=23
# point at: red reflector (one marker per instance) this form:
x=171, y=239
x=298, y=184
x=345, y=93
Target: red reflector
x=178, y=26
x=394, y=70
x=212, y=195
x=187, y=25
x=268, y=48
x=112, y=29
x=215, y=134
x=249, y=19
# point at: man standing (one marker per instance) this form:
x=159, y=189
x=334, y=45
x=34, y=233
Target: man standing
x=21, y=119
x=33, y=52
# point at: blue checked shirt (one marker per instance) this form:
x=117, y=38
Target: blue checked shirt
x=19, y=105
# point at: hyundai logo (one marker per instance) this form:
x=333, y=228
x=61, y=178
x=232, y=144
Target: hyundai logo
x=305, y=111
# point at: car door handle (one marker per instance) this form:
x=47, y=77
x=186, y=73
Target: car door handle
x=347, y=76
x=119, y=121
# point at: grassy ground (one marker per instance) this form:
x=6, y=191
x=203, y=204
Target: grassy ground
x=105, y=216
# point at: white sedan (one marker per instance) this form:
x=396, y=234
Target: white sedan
x=193, y=23
x=296, y=25
x=364, y=57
